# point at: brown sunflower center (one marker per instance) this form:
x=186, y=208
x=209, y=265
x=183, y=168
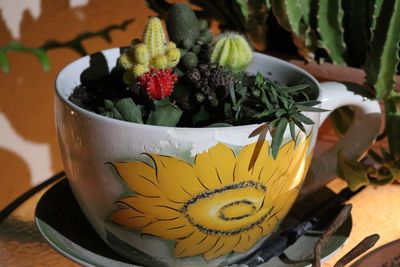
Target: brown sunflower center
x=228, y=210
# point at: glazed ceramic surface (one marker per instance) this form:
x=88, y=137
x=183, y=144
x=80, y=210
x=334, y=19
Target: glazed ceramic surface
x=186, y=196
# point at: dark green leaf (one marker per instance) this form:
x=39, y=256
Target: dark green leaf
x=167, y=115
x=201, y=116
x=280, y=112
x=264, y=113
x=129, y=110
x=5, y=65
x=302, y=118
x=232, y=93
x=116, y=114
x=310, y=109
x=299, y=124
x=341, y=120
x=353, y=172
x=294, y=88
x=278, y=137
x=292, y=127
x=309, y=103
x=219, y=124
x=108, y=104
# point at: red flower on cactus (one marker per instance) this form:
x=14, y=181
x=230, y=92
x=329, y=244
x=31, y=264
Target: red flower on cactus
x=158, y=83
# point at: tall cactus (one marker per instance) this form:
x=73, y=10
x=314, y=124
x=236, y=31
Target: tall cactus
x=330, y=28
x=383, y=58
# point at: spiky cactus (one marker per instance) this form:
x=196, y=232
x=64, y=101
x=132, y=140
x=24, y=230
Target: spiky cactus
x=155, y=51
x=191, y=35
x=233, y=51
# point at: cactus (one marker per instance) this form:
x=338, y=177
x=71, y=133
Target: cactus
x=154, y=51
x=383, y=59
x=182, y=24
x=190, y=34
x=232, y=50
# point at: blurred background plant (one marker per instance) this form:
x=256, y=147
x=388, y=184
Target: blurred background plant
x=358, y=33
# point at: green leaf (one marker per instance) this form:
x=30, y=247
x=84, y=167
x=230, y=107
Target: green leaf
x=309, y=103
x=232, y=93
x=129, y=110
x=353, y=172
x=5, y=65
x=116, y=114
x=265, y=113
x=341, y=119
x=292, y=127
x=243, y=8
x=330, y=16
x=108, y=104
x=299, y=124
x=310, y=109
x=381, y=64
x=292, y=89
x=392, y=126
x=219, y=124
x=167, y=115
x=302, y=118
x=201, y=116
x=278, y=137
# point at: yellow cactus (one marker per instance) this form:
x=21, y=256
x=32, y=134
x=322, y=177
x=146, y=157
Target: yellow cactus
x=139, y=69
x=153, y=51
x=173, y=56
x=159, y=62
x=142, y=55
x=126, y=61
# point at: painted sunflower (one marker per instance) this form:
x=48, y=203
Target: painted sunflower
x=216, y=205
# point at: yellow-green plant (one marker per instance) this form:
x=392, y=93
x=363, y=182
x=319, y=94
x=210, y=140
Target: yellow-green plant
x=233, y=51
x=154, y=51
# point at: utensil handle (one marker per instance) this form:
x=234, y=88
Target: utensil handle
x=358, y=138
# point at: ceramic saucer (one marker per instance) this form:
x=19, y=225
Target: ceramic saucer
x=64, y=226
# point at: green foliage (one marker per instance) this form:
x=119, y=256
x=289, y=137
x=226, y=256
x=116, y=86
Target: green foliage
x=128, y=110
x=330, y=29
x=354, y=173
x=382, y=61
x=277, y=106
x=165, y=115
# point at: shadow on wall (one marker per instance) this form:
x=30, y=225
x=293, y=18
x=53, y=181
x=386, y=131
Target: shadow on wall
x=26, y=95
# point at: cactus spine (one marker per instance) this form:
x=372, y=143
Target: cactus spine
x=154, y=51
x=232, y=50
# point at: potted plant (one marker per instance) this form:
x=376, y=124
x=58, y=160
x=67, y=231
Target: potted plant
x=361, y=34
x=190, y=151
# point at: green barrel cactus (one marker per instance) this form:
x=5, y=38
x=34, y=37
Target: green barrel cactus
x=233, y=51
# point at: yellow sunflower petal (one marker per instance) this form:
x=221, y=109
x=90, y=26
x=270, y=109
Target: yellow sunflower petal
x=140, y=177
x=177, y=178
x=195, y=244
x=224, y=245
x=130, y=218
x=248, y=240
x=242, y=172
x=169, y=229
x=215, y=166
x=159, y=208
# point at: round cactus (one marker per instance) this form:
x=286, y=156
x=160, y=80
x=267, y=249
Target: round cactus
x=182, y=24
x=233, y=51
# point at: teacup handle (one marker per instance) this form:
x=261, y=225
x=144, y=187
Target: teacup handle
x=358, y=138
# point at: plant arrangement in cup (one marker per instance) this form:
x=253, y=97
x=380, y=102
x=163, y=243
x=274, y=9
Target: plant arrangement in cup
x=361, y=34
x=196, y=79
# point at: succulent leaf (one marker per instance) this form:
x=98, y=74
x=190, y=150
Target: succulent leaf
x=330, y=17
x=382, y=61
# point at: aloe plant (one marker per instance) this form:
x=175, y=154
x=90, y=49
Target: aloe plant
x=360, y=33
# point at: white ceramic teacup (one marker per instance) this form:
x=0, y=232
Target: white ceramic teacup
x=170, y=196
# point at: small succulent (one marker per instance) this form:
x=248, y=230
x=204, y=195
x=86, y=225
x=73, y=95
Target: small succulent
x=210, y=82
x=158, y=83
x=233, y=51
x=153, y=52
x=191, y=35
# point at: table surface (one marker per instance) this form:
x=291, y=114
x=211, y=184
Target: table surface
x=22, y=245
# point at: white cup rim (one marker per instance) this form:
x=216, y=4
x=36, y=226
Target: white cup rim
x=95, y=116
